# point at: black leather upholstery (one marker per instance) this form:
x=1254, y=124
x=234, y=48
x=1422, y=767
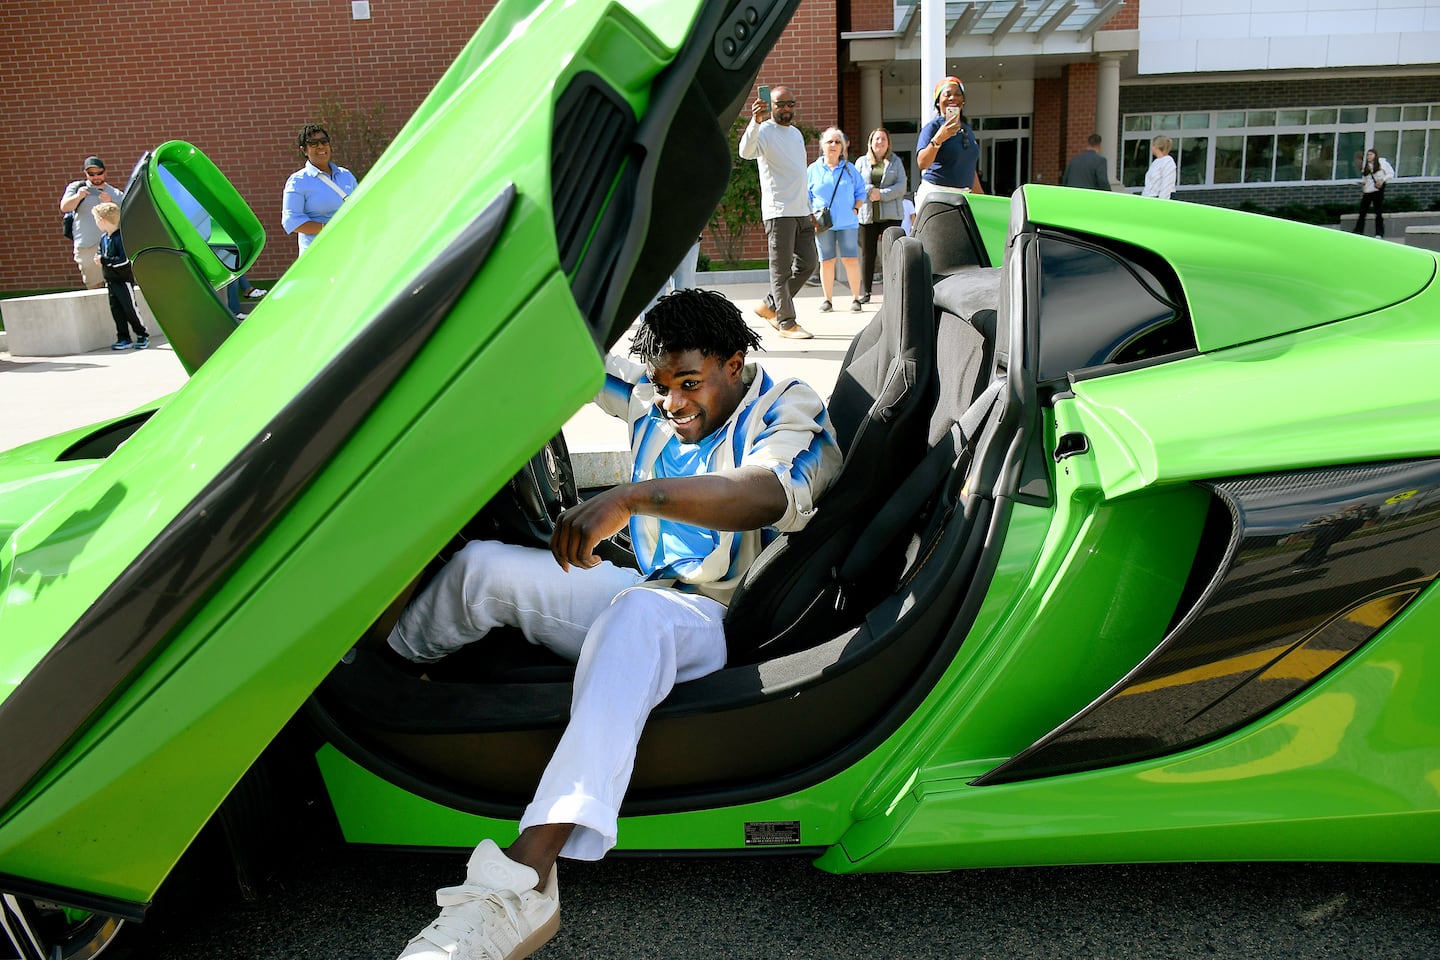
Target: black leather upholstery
x=881, y=410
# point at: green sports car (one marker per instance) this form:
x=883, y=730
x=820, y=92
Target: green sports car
x=1132, y=557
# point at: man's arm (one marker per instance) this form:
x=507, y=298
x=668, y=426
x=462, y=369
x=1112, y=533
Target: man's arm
x=746, y=498
x=749, y=148
x=1101, y=172
x=69, y=201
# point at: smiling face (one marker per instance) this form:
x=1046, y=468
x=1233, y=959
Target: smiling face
x=317, y=149
x=696, y=393
x=879, y=143
x=832, y=144
x=950, y=96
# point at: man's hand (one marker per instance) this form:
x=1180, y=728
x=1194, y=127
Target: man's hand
x=581, y=528
x=759, y=110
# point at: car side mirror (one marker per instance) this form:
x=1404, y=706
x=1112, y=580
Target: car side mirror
x=189, y=234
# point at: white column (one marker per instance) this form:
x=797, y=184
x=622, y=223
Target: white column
x=1107, y=112
x=871, y=110
x=932, y=53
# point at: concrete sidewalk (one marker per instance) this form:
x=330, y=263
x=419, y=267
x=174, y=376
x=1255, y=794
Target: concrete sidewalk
x=43, y=396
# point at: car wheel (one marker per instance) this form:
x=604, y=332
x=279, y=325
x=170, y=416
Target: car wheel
x=38, y=930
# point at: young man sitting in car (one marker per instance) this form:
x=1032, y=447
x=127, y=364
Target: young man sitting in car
x=721, y=452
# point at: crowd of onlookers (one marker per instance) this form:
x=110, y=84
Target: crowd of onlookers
x=814, y=213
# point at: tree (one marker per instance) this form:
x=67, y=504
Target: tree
x=359, y=135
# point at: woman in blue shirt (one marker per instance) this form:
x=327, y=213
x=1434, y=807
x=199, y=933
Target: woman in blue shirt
x=313, y=193
x=948, y=154
x=835, y=183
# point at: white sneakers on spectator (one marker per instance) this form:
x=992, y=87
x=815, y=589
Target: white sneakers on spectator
x=255, y=293
x=496, y=914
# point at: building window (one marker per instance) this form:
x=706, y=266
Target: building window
x=1289, y=145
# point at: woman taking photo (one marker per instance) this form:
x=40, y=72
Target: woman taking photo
x=949, y=154
x=836, y=186
x=1375, y=172
x=313, y=193
x=883, y=206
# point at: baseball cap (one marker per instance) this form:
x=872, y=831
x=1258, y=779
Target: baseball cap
x=93, y=162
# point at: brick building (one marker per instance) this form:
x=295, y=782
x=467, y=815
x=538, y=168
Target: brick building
x=1266, y=99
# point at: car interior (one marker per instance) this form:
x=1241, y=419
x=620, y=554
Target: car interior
x=837, y=630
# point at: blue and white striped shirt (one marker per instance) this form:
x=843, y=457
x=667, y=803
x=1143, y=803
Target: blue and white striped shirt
x=781, y=425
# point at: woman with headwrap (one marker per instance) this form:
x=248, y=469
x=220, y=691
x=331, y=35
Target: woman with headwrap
x=949, y=154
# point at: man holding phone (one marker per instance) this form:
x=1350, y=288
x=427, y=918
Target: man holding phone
x=80, y=198
x=772, y=139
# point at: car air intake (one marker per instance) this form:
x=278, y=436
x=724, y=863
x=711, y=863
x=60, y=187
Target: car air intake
x=593, y=131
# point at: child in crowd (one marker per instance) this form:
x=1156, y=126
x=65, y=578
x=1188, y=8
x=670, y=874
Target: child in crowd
x=118, y=277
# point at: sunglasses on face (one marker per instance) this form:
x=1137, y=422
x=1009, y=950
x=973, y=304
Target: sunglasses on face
x=322, y=142
x=94, y=173
x=784, y=103
x=834, y=143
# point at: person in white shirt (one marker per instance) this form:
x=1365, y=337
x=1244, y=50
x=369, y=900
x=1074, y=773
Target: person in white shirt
x=1375, y=172
x=1160, y=178
x=779, y=146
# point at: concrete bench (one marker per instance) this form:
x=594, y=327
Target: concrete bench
x=62, y=324
x=1424, y=237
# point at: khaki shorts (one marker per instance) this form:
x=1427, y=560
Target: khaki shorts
x=89, y=269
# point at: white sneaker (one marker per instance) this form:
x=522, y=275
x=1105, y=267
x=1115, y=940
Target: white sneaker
x=255, y=293
x=496, y=914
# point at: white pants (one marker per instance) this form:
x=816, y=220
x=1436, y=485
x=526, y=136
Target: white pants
x=631, y=645
x=928, y=190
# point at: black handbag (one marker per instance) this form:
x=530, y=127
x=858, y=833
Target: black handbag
x=823, y=220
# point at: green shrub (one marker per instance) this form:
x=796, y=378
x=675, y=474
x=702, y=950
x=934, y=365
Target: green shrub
x=359, y=135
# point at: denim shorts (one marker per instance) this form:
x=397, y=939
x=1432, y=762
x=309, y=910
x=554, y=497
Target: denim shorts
x=828, y=240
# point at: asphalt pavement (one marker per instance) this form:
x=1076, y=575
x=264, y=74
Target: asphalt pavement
x=358, y=904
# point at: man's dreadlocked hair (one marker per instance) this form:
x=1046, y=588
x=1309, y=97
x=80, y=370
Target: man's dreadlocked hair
x=693, y=320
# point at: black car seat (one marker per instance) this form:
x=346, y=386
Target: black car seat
x=881, y=408
x=948, y=233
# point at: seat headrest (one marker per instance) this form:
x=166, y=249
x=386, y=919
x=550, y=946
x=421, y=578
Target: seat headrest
x=945, y=230
x=904, y=327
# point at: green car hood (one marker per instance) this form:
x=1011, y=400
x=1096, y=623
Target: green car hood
x=1272, y=277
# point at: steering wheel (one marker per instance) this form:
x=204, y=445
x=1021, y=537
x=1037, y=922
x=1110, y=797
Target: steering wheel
x=543, y=488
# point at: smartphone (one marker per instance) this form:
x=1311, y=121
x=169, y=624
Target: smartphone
x=951, y=113
x=764, y=95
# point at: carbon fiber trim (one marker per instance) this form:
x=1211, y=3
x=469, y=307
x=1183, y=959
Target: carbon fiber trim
x=152, y=600
x=78, y=899
x=1318, y=562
